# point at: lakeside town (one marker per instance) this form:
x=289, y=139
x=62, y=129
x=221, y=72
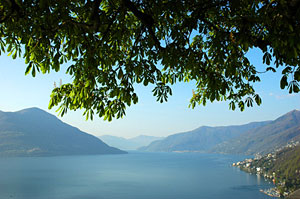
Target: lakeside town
x=273, y=166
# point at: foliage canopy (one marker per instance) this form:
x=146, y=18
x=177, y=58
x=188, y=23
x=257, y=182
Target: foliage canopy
x=111, y=45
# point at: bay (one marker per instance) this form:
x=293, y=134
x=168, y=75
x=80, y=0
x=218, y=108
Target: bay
x=131, y=176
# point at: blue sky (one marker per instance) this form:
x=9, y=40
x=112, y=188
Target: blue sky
x=148, y=117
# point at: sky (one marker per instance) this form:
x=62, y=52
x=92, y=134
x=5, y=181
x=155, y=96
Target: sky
x=148, y=117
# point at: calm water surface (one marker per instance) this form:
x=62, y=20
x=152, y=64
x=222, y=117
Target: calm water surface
x=131, y=176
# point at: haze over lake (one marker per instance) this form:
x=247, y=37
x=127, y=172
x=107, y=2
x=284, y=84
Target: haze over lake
x=135, y=175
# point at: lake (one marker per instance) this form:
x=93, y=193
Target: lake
x=131, y=176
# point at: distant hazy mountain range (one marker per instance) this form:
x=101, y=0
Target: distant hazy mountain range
x=34, y=132
x=258, y=137
x=129, y=144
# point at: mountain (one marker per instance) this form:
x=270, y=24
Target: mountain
x=129, y=144
x=265, y=138
x=201, y=139
x=144, y=140
x=34, y=132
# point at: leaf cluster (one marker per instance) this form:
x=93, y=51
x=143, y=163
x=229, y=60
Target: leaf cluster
x=109, y=46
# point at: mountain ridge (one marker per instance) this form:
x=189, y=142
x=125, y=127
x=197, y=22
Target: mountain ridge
x=129, y=143
x=255, y=137
x=200, y=139
x=35, y=132
x=265, y=139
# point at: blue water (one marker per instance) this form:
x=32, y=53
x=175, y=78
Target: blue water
x=131, y=176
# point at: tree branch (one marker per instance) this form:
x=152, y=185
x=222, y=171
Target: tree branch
x=95, y=14
x=146, y=19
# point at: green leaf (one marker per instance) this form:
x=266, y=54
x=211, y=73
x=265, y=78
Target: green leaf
x=28, y=69
x=9, y=54
x=33, y=71
x=249, y=102
x=271, y=69
x=267, y=58
x=287, y=70
x=257, y=99
x=14, y=56
x=296, y=88
x=297, y=75
x=232, y=106
x=120, y=74
x=241, y=105
x=9, y=48
x=283, y=82
x=146, y=82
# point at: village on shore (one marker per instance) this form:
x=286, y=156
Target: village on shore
x=265, y=166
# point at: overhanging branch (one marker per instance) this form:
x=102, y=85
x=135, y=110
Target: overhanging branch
x=146, y=19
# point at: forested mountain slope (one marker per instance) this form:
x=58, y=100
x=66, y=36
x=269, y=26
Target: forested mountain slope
x=34, y=132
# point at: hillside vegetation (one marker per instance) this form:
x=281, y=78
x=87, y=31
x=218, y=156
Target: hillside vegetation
x=266, y=138
x=34, y=132
x=249, y=139
x=283, y=166
x=201, y=139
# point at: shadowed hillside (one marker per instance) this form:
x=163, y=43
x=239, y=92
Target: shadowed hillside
x=34, y=132
x=266, y=138
x=201, y=139
x=252, y=138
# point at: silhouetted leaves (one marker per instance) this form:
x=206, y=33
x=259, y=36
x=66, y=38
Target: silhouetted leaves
x=110, y=46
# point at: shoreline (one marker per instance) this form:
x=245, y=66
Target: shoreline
x=271, y=192
x=246, y=166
